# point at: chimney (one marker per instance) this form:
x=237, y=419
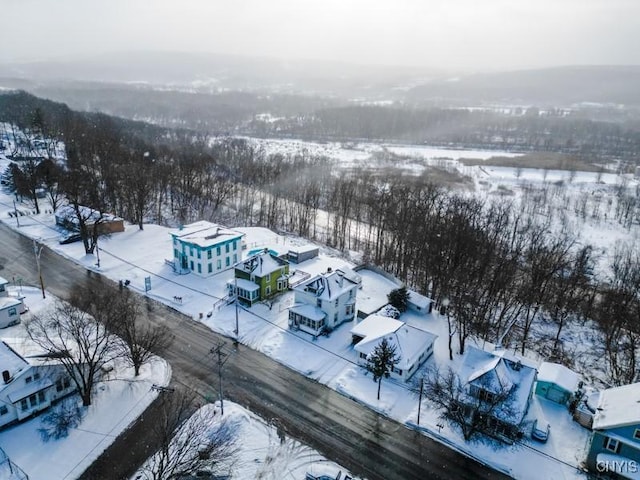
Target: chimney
x=6, y=376
x=329, y=270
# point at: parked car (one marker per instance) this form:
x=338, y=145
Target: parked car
x=75, y=237
x=540, y=430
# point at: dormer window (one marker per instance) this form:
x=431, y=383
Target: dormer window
x=636, y=434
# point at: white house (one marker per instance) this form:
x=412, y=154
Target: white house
x=497, y=388
x=205, y=248
x=10, y=307
x=28, y=386
x=413, y=346
x=325, y=301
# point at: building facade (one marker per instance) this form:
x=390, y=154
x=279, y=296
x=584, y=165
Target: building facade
x=205, y=248
x=324, y=302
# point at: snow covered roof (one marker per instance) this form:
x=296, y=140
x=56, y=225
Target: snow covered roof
x=261, y=264
x=68, y=214
x=419, y=300
x=558, y=375
x=11, y=361
x=3, y=281
x=499, y=371
x=308, y=311
x=410, y=342
x=8, y=302
x=618, y=407
x=245, y=284
x=205, y=234
x=303, y=248
x=330, y=285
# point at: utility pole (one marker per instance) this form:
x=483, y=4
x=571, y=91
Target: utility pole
x=37, y=250
x=420, y=400
x=15, y=210
x=97, y=253
x=237, y=330
x=222, y=358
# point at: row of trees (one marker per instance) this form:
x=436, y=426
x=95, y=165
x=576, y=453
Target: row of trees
x=503, y=269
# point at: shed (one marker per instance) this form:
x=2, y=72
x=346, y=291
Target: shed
x=303, y=253
x=556, y=382
x=10, y=309
x=419, y=303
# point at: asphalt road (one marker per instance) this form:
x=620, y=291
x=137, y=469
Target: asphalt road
x=368, y=444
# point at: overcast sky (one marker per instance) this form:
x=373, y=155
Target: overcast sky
x=459, y=34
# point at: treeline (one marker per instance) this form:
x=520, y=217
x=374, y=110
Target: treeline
x=534, y=131
x=502, y=271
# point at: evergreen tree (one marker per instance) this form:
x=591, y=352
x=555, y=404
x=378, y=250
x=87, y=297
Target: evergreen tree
x=381, y=361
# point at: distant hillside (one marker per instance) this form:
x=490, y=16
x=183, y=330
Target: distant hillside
x=563, y=86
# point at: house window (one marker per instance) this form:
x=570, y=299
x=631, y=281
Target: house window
x=28, y=380
x=282, y=284
x=235, y=258
x=612, y=445
x=226, y=248
x=40, y=397
x=210, y=269
x=227, y=261
x=267, y=291
x=349, y=310
x=199, y=255
x=13, y=312
x=23, y=404
x=363, y=355
x=218, y=251
x=199, y=268
x=33, y=400
x=219, y=264
x=397, y=370
x=268, y=279
x=636, y=434
x=176, y=253
x=319, y=303
x=336, y=304
x=4, y=410
x=191, y=263
x=62, y=384
x=209, y=254
x=191, y=251
x=235, y=245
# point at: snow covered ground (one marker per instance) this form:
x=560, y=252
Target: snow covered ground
x=135, y=255
x=116, y=404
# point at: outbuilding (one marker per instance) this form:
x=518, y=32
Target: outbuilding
x=556, y=382
x=302, y=253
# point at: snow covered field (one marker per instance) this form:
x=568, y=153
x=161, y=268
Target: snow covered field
x=134, y=255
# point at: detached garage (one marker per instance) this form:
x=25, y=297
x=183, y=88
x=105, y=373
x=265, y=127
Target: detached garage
x=556, y=382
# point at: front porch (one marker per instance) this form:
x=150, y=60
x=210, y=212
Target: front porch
x=308, y=318
x=247, y=291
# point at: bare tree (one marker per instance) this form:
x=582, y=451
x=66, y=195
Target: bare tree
x=186, y=441
x=140, y=340
x=470, y=413
x=81, y=343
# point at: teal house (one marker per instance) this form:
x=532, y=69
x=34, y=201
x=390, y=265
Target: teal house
x=615, y=441
x=556, y=383
x=260, y=276
x=205, y=248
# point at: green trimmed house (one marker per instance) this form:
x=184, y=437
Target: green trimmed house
x=205, y=248
x=259, y=277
